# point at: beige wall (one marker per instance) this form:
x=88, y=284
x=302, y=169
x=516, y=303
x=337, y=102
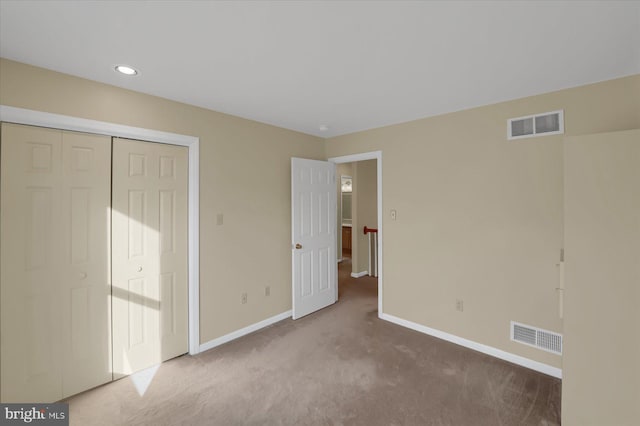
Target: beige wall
x=480, y=218
x=601, y=384
x=244, y=174
x=367, y=209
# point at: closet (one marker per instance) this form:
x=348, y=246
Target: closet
x=78, y=272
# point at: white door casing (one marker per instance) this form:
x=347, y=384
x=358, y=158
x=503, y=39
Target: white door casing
x=149, y=261
x=373, y=155
x=313, y=233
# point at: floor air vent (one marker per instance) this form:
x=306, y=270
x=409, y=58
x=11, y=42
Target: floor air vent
x=536, y=337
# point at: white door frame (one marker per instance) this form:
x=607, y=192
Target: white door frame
x=373, y=155
x=64, y=122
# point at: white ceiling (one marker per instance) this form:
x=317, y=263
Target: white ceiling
x=348, y=65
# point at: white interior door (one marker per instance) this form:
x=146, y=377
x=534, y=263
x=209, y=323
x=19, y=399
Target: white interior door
x=54, y=263
x=313, y=217
x=149, y=220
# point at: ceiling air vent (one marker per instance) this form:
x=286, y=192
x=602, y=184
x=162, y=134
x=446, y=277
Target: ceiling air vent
x=548, y=123
x=536, y=337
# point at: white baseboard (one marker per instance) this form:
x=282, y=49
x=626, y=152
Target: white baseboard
x=359, y=274
x=244, y=331
x=497, y=353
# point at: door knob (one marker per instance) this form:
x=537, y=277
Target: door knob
x=298, y=246
x=139, y=268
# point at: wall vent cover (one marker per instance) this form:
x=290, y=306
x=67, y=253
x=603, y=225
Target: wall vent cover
x=536, y=337
x=548, y=123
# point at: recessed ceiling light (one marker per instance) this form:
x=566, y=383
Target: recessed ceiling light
x=323, y=127
x=125, y=69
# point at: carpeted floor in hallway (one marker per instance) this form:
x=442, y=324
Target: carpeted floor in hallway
x=339, y=366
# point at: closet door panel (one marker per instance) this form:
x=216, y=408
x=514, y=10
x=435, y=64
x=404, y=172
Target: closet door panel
x=136, y=340
x=173, y=162
x=31, y=259
x=86, y=292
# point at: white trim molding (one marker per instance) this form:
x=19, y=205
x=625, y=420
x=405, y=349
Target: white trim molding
x=373, y=155
x=65, y=122
x=359, y=274
x=44, y=119
x=489, y=350
x=244, y=331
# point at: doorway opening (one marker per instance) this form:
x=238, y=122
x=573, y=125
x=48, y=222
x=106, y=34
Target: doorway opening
x=359, y=206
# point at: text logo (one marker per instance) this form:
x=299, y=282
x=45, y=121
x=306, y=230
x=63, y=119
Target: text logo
x=36, y=414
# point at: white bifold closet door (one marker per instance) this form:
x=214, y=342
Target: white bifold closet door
x=149, y=260
x=55, y=293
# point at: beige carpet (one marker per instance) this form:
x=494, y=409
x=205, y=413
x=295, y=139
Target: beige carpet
x=339, y=366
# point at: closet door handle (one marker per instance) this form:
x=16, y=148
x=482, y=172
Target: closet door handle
x=139, y=268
